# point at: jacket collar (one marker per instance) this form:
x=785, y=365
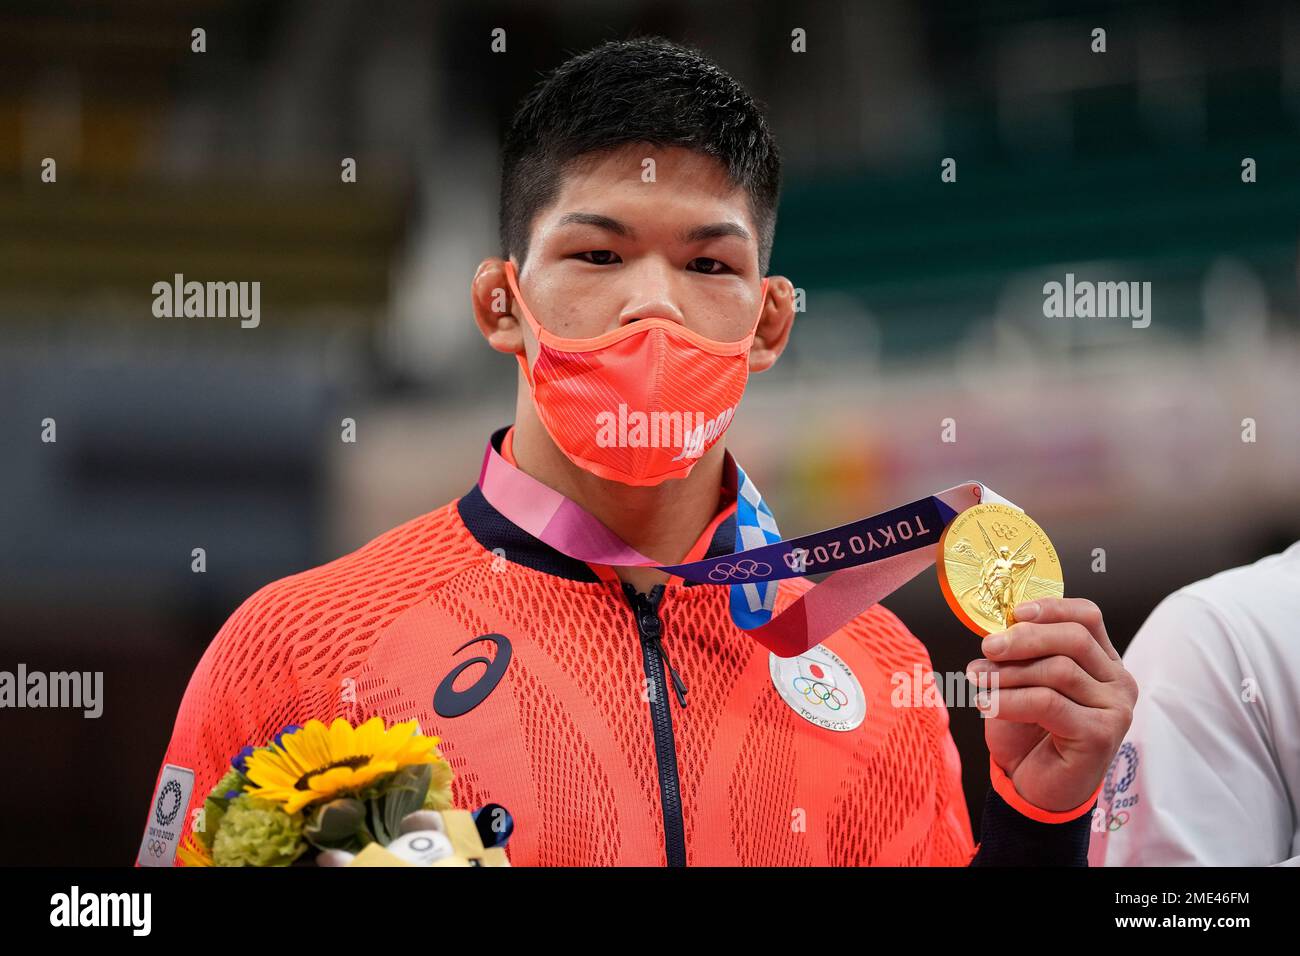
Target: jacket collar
x=493, y=530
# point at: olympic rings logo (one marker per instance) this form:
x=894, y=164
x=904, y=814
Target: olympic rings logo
x=157, y=848
x=817, y=693
x=1117, y=820
x=1004, y=531
x=742, y=570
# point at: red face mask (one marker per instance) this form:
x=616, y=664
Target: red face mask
x=639, y=404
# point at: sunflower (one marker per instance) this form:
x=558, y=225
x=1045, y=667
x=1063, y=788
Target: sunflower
x=193, y=853
x=318, y=762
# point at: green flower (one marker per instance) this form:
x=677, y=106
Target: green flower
x=233, y=780
x=257, y=832
x=439, y=795
x=214, y=807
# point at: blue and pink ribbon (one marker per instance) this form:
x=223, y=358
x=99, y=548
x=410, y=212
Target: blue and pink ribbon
x=867, y=559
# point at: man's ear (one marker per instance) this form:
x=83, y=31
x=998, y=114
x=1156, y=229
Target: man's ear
x=494, y=307
x=774, y=325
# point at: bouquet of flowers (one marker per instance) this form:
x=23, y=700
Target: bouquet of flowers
x=343, y=796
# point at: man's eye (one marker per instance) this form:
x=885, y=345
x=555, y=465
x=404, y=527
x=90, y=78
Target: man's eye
x=707, y=266
x=600, y=257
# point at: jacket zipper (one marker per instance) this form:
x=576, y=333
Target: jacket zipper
x=645, y=608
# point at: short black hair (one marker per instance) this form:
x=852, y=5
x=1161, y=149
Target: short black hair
x=644, y=90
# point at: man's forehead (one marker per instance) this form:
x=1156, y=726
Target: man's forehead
x=587, y=180
x=635, y=163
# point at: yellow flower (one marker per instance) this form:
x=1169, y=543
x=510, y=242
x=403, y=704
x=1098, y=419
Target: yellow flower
x=319, y=763
x=192, y=852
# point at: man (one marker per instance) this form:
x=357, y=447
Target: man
x=638, y=203
x=1209, y=773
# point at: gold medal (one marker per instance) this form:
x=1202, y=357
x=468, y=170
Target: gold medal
x=991, y=558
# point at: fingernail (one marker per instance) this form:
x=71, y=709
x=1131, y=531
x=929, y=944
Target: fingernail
x=1027, y=611
x=995, y=644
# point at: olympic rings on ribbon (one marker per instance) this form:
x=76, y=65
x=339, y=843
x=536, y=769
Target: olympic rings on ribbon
x=742, y=570
x=1115, y=820
x=818, y=693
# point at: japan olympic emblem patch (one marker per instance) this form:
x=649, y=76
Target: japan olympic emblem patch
x=820, y=688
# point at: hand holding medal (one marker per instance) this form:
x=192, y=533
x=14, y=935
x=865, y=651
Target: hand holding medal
x=1060, y=699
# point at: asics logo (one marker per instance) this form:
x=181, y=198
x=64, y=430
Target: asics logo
x=449, y=702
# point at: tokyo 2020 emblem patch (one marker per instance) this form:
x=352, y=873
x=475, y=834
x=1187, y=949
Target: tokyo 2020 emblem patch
x=1115, y=791
x=162, y=834
x=820, y=688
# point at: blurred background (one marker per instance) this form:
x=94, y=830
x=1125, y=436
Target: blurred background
x=924, y=301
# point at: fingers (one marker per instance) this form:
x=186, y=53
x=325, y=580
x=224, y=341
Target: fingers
x=1078, y=610
x=1047, y=708
x=1060, y=673
x=1026, y=641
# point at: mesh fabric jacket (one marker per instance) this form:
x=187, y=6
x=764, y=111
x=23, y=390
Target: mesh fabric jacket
x=564, y=732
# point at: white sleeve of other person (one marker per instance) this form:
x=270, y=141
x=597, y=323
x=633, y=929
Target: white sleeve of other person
x=1209, y=772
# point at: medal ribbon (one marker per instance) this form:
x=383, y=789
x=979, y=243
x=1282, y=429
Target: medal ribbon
x=869, y=558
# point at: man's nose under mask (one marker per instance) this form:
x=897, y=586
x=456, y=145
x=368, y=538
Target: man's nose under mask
x=639, y=404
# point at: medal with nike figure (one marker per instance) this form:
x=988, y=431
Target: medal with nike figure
x=991, y=558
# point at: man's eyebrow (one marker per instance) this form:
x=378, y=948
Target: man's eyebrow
x=599, y=221
x=714, y=230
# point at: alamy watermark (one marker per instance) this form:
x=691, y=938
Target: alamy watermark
x=57, y=689
x=129, y=910
x=210, y=300
x=1085, y=299
x=922, y=688
x=689, y=431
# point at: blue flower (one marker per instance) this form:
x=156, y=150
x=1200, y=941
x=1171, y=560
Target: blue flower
x=240, y=760
x=288, y=729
